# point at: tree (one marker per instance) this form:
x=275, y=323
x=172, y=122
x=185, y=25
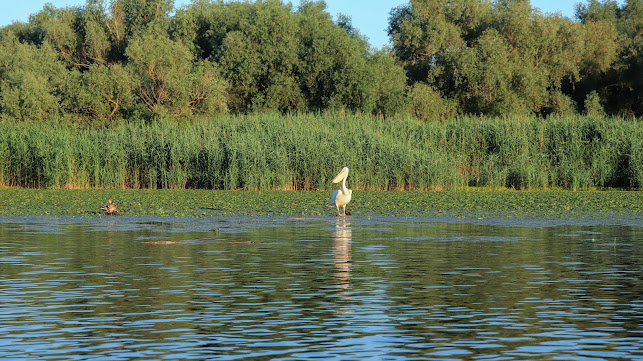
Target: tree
x=390, y=84
x=279, y=58
x=31, y=80
x=428, y=104
x=259, y=55
x=334, y=69
x=126, y=18
x=99, y=95
x=498, y=58
x=167, y=81
x=59, y=27
x=97, y=45
x=614, y=70
x=113, y=59
x=424, y=30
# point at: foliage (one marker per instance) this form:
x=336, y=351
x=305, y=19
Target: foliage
x=611, y=205
x=427, y=103
x=167, y=80
x=593, y=105
x=304, y=152
x=621, y=85
x=278, y=58
x=30, y=80
x=98, y=95
x=504, y=57
x=111, y=60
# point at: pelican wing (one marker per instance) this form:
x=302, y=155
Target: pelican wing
x=333, y=198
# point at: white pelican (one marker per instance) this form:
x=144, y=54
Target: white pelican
x=341, y=197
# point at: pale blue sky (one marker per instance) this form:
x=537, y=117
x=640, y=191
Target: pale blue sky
x=369, y=16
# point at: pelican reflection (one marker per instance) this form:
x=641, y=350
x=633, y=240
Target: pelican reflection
x=342, y=236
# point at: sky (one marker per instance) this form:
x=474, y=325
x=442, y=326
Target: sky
x=370, y=17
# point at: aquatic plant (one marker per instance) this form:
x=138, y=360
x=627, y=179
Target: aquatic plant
x=302, y=151
x=199, y=202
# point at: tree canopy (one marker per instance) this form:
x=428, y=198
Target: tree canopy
x=121, y=59
x=504, y=57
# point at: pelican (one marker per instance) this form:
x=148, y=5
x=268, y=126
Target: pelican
x=341, y=197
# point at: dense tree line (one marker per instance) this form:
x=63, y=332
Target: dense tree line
x=140, y=59
x=505, y=58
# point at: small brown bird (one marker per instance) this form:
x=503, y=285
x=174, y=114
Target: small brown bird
x=109, y=208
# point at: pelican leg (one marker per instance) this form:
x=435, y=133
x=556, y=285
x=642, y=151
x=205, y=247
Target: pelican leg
x=338, y=211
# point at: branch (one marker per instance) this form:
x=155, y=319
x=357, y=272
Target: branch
x=115, y=105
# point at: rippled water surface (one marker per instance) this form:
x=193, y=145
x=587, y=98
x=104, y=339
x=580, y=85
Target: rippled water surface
x=224, y=288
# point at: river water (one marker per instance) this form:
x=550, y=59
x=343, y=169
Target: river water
x=321, y=288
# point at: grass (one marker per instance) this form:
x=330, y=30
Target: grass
x=304, y=151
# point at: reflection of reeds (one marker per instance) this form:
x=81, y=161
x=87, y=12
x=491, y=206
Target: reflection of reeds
x=302, y=151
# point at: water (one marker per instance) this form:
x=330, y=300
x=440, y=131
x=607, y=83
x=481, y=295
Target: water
x=259, y=288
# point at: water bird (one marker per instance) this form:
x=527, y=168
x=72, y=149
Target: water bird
x=341, y=197
x=109, y=208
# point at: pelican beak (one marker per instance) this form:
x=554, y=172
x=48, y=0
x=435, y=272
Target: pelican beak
x=340, y=177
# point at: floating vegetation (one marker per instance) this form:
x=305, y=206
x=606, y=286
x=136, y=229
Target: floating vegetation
x=197, y=203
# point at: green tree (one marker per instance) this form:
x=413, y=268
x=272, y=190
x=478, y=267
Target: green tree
x=428, y=104
x=279, y=58
x=593, y=107
x=334, y=69
x=614, y=71
x=167, y=81
x=259, y=55
x=124, y=18
x=96, y=45
x=423, y=31
x=99, y=95
x=499, y=58
x=62, y=28
x=390, y=84
x=80, y=35
x=31, y=80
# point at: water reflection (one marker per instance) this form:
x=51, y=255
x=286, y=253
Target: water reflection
x=293, y=289
x=342, y=235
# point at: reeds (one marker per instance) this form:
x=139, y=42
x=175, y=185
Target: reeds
x=304, y=151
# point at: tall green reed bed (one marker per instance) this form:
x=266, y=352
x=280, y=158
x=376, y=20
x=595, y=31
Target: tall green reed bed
x=305, y=151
